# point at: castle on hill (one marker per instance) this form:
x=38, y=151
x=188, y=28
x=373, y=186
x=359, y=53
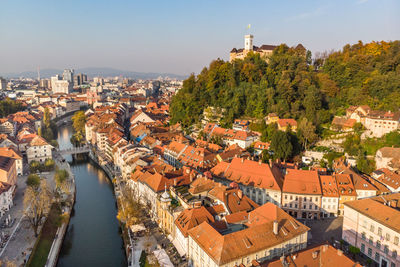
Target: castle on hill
x=264, y=50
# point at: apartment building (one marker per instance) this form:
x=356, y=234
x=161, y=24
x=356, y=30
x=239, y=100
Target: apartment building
x=372, y=225
x=302, y=194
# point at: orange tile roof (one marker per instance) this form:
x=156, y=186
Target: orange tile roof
x=192, y=217
x=302, y=182
x=286, y=122
x=234, y=199
x=345, y=185
x=249, y=172
x=387, y=177
x=258, y=236
x=375, y=209
x=329, y=186
x=322, y=255
x=10, y=152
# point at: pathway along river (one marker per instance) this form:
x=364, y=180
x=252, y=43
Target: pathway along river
x=92, y=238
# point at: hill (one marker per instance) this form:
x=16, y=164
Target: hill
x=293, y=85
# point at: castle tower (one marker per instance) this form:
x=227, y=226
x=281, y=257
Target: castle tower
x=248, y=42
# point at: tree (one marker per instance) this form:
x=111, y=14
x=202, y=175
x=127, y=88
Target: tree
x=306, y=132
x=78, y=123
x=61, y=180
x=37, y=202
x=46, y=118
x=281, y=145
x=364, y=164
x=129, y=213
x=33, y=180
x=34, y=166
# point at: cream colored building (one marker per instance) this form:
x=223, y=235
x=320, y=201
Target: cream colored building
x=38, y=150
x=372, y=225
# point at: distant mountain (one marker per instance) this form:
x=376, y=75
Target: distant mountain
x=93, y=71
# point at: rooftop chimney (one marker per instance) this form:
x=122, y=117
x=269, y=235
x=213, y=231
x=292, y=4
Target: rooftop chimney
x=242, y=160
x=175, y=182
x=240, y=194
x=275, y=227
x=325, y=247
x=315, y=254
x=259, y=162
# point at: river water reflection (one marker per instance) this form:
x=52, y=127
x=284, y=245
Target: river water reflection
x=92, y=237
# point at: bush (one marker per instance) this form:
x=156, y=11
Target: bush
x=34, y=166
x=33, y=180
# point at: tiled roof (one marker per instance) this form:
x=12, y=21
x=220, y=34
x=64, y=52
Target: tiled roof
x=322, y=255
x=376, y=209
x=249, y=172
x=302, y=182
x=192, y=217
x=329, y=186
x=258, y=236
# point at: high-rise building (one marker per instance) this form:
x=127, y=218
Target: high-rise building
x=80, y=79
x=68, y=75
x=3, y=84
x=61, y=86
x=44, y=83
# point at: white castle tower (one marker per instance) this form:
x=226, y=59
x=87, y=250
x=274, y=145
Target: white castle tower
x=248, y=42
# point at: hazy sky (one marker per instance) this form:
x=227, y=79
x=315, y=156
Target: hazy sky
x=177, y=36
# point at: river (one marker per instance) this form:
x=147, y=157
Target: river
x=93, y=236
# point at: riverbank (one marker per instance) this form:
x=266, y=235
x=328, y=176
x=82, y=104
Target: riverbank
x=93, y=236
x=41, y=248
x=114, y=180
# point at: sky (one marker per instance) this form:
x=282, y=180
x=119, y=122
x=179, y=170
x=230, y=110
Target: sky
x=178, y=36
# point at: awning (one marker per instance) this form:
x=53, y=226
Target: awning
x=162, y=258
x=179, y=247
x=137, y=228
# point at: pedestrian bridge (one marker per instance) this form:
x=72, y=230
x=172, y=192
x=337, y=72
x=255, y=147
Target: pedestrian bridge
x=75, y=150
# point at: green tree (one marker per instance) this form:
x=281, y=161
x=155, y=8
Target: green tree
x=281, y=145
x=33, y=180
x=306, y=132
x=46, y=118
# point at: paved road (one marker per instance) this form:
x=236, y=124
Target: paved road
x=325, y=230
x=22, y=238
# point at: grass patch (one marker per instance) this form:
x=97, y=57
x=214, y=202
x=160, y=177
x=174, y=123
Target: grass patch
x=42, y=247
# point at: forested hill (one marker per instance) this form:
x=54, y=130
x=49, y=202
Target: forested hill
x=293, y=85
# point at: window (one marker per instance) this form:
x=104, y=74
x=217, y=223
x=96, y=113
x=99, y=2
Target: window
x=376, y=256
x=372, y=228
x=394, y=254
x=285, y=196
x=291, y=197
x=363, y=235
x=387, y=236
x=371, y=241
x=386, y=249
x=370, y=252
x=379, y=231
x=316, y=198
x=362, y=247
x=305, y=199
x=378, y=244
x=396, y=240
x=392, y=264
x=310, y=207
